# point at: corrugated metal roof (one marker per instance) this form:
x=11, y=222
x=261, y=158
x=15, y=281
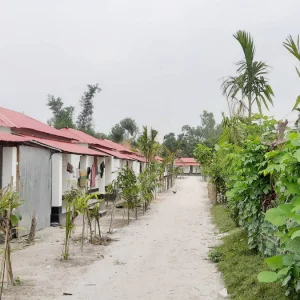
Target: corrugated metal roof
x=186, y=161
x=6, y=137
x=13, y=119
x=136, y=157
x=69, y=147
x=114, y=153
x=118, y=147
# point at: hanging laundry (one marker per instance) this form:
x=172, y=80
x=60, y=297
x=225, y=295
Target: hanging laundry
x=93, y=175
x=70, y=168
x=102, y=167
x=88, y=172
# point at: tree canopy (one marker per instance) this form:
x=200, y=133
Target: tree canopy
x=62, y=116
x=85, y=118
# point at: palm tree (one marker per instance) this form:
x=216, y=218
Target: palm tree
x=148, y=145
x=250, y=83
x=294, y=48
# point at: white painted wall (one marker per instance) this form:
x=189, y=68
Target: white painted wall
x=5, y=129
x=69, y=180
x=100, y=182
x=136, y=167
x=123, y=163
x=57, y=179
x=196, y=169
x=9, y=165
x=116, y=168
x=108, y=170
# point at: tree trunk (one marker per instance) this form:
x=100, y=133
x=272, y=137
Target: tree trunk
x=250, y=107
x=111, y=218
x=99, y=230
x=82, y=233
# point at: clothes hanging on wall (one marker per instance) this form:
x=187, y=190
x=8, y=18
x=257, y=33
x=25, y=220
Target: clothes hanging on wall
x=70, y=168
x=93, y=175
x=88, y=172
x=102, y=167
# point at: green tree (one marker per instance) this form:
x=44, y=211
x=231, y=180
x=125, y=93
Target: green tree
x=250, y=84
x=210, y=131
x=62, y=116
x=130, y=127
x=170, y=141
x=101, y=135
x=117, y=133
x=294, y=48
x=85, y=118
x=148, y=145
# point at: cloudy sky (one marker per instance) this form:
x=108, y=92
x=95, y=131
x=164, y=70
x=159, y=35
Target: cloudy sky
x=160, y=62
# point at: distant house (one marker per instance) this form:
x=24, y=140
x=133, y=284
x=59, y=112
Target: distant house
x=188, y=165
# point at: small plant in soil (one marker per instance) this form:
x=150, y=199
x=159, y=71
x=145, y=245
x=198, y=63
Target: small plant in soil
x=9, y=218
x=215, y=255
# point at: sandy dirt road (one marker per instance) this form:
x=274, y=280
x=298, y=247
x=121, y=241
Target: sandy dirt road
x=163, y=255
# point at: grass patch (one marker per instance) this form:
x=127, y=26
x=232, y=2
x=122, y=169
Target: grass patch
x=222, y=219
x=240, y=266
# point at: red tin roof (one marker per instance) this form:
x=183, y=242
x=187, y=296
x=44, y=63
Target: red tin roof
x=6, y=137
x=70, y=148
x=114, y=153
x=186, y=161
x=13, y=119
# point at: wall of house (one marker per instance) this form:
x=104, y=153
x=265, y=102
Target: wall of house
x=69, y=180
x=108, y=170
x=9, y=165
x=196, y=170
x=136, y=167
x=5, y=129
x=57, y=181
x=123, y=163
x=116, y=168
x=100, y=182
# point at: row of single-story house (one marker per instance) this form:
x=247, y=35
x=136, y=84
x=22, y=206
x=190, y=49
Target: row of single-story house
x=188, y=165
x=45, y=163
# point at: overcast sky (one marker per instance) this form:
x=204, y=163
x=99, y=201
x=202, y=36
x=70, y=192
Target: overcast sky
x=157, y=61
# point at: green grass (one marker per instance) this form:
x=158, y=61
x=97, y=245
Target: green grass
x=239, y=265
x=222, y=219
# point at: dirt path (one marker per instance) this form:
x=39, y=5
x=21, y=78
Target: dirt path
x=160, y=256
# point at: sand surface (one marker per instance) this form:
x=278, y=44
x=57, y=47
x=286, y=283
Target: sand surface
x=162, y=255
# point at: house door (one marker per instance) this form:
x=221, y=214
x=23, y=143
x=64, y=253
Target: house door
x=34, y=187
x=191, y=169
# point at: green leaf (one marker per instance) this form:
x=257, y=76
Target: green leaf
x=295, y=234
x=296, y=218
x=267, y=277
x=275, y=262
x=288, y=259
x=294, y=188
x=298, y=98
x=14, y=220
x=293, y=136
x=275, y=216
x=296, y=272
x=296, y=154
x=283, y=272
x=286, y=209
x=293, y=245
